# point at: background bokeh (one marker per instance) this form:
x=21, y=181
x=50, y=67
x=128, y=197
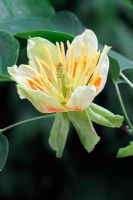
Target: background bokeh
x=32, y=170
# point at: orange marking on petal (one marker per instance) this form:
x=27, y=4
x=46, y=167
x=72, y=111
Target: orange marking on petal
x=54, y=109
x=50, y=79
x=97, y=82
x=33, y=84
x=84, y=63
x=75, y=67
x=77, y=108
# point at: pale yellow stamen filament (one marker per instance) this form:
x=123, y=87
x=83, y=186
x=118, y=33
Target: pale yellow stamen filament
x=93, y=63
x=78, y=73
x=60, y=86
x=34, y=82
x=42, y=71
x=52, y=66
x=92, y=67
x=80, y=67
x=42, y=64
x=63, y=54
x=48, y=55
x=87, y=66
x=59, y=52
x=56, y=92
x=45, y=83
x=69, y=56
x=37, y=75
x=73, y=59
x=50, y=87
x=87, y=58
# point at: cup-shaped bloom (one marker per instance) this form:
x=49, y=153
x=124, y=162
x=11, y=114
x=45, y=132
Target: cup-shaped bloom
x=62, y=77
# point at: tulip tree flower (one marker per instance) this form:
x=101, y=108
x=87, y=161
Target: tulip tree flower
x=65, y=78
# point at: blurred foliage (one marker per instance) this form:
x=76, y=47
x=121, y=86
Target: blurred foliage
x=129, y=3
x=32, y=171
x=111, y=20
x=22, y=8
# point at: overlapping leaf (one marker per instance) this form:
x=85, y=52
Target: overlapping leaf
x=62, y=22
x=61, y=27
x=14, y=8
x=129, y=3
x=118, y=63
x=4, y=147
x=126, y=151
x=8, y=54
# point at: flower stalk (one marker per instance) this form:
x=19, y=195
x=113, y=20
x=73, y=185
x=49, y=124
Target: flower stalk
x=26, y=121
x=123, y=108
x=127, y=80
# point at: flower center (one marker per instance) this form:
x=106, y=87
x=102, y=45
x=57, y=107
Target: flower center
x=63, y=80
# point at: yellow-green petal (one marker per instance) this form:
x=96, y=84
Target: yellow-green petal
x=43, y=49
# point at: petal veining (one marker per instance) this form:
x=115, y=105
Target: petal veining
x=103, y=65
x=41, y=101
x=86, y=39
x=81, y=98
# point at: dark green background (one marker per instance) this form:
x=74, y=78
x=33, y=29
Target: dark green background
x=32, y=170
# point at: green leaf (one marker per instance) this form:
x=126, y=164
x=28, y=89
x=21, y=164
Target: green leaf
x=118, y=63
x=53, y=36
x=114, y=69
x=21, y=8
x=129, y=3
x=62, y=22
x=59, y=133
x=4, y=147
x=8, y=54
x=126, y=151
x=123, y=62
x=104, y=117
x=4, y=78
x=62, y=27
x=85, y=129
